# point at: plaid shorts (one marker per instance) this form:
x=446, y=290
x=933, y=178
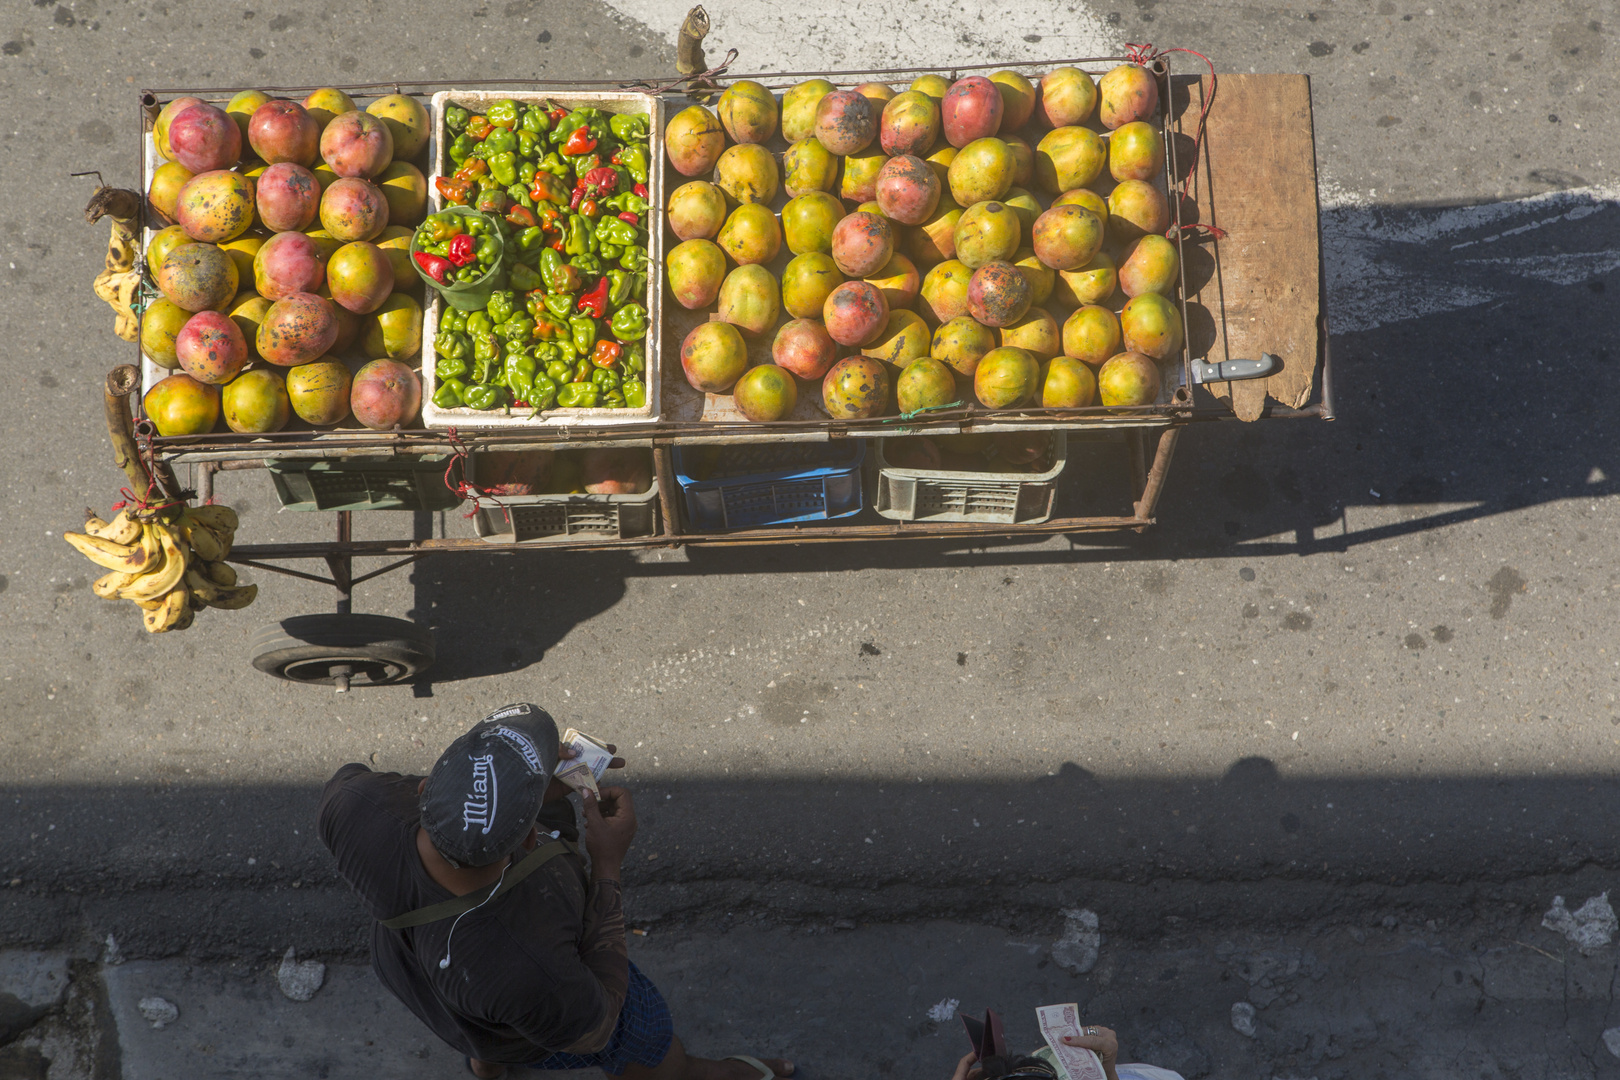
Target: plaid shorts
x=642, y=1036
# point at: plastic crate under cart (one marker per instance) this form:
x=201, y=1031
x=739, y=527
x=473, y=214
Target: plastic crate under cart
x=752, y=487
x=381, y=483
x=535, y=519
x=1022, y=498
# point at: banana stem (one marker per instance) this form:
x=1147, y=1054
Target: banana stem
x=123, y=381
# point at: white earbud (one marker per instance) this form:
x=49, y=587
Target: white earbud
x=448, y=937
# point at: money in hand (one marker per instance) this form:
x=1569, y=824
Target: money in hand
x=591, y=759
x=1076, y=1062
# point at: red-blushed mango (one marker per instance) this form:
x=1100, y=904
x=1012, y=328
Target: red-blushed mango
x=1149, y=264
x=360, y=277
x=198, y=277
x=248, y=311
x=1069, y=157
x=799, y=109
x=616, y=471
x=944, y=290
x=910, y=124
x=962, y=342
x=164, y=192
x=161, y=324
x=353, y=209
x=750, y=299
x=765, y=393
x=287, y=263
x=748, y=173
x=1066, y=383
x=395, y=243
x=807, y=166
x=393, y=331
x=908, y=189
x=180, y=405
x=807, y=282
x=327, y=104
x=1128, y=379
x=1037, y=332
x=1092, y=283
x=903, y=339
x=319, y=391
x=856, y=388
x=898, y=280
x=696, y=211
x=804, y=347
x=696, y=269
x=1018, y=96
x=846, y=123
x=862, y=244
x=751, y=234
x=1087, y=198
x=935, y=239
x=1023, y=160
x=748, y=112
x=808, y=221
x=926, y=383
x=998, y=294
x=405, y=189
x=357, y=144
x=971, y=109
x=215, y=206
x=288, y=197
x=1091, y=334
x=210, y=348
x=713, y=357
x=855, y=313
x=1067, y=98
x=241, y=108
x=1040, y=276
x=1125, y=94
x=1150, y=324
x=385, y=395
x=165, y=117
x=1006, y=378
x=407, y=121
x=1067, y=237
x=934, y=86
x=297, y=329
x=981, y=171
x=1135, y=152
x=1136, y=207
x=986, y=232
x=694, y=140
x=203, y=139
x=283, y=131
x=256, y=402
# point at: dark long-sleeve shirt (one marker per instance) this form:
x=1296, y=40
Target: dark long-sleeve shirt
x=543, y=968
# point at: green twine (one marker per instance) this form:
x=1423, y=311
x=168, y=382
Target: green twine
x=914, y=413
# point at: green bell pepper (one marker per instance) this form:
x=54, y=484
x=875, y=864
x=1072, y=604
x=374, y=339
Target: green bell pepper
x=542, y=392
x=450, y=394
x=448, y=367
x=485, y=348
x=559, y=305
x=479, y=322
x=517, y=373
x=613, y=399
x=582, y=371
x=519, y=328
x=526, y=172
x=554, y=164
x=578, y=396
x=582, y=332
x=622, y=281
x=560, y=371
x=520, y=195
x=635, y=357
x=612, y=230
x=628, y=127
x=609, y=252
x=452, y=343
x=635, y=393
x=488, y=250
x=630, y=322
x=503, y=167
x=485, y=397
x=531, y=240
x=634, y=161
x=500, y=306
x=626, y=202
x=565, y=127
x=578, y=239
x=535, y=121
x=453, y=319
x=500, y=141
x=461, y=149
x=524, y=279
x=587, y=264
x=493, y=200
x=455, y=118
x=606, y=378
x=503, y=113
x=528, y=144
x=634, y=258
x=558, y=275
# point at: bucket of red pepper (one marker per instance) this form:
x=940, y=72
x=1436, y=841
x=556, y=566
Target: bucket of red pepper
x=459, y=251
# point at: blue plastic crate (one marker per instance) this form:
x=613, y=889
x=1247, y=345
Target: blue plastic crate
x=751, y=487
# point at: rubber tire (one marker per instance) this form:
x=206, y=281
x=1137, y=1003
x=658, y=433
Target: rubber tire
x=379, y=650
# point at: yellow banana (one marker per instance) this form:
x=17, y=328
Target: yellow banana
x=217, y=517
x=201, y=587
x=220, y=573
x=203, y=541
x=235, y=599
x=109, y=585
x=163, y=618
x=122, y=529
x=187, y=617
x=107, y=554
x=152, y=585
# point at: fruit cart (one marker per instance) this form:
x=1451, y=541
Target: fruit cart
x=1240, y=166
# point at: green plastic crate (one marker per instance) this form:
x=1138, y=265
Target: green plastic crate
x=383, y=483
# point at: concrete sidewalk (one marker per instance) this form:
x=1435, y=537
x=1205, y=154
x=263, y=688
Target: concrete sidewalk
x=1480, y=1000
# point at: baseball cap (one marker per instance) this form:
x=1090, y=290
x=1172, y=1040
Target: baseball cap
x=485, y=790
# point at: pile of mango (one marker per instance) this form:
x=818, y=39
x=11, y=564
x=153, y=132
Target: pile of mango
x=284, y=267
x=992, y=237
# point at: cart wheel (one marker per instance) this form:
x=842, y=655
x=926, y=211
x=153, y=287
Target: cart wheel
x=343, y=649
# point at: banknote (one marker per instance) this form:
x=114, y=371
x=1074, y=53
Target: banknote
x=1075, y=1062
x=591, y=759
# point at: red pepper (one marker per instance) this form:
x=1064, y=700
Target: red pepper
x=588, y=208
x=472, y=168
x=479, y=128
x=521, y=215
x=579, y=142
x=579, y=193
x=600, y=181
x=594, y=302
x=455, y=192
x=557, y=244
x=606, y=353
x=640, y=189
x=557, y=113
x=548, y=216
x=462, y=250
x=436, y=268
x=634, y=219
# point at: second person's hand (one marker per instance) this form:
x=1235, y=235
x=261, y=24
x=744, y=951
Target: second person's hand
x=610, y=826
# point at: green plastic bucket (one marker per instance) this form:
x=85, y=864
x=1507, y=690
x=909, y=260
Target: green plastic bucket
x=467, y=295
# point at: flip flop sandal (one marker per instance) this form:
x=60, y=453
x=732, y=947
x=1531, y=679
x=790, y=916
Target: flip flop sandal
x=767, y=1073
x=468, y=1062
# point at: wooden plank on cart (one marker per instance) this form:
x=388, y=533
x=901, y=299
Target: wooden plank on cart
x=1259, y=184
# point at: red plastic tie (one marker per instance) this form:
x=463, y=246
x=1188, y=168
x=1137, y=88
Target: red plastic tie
x=1145, y=54
x=461, y=488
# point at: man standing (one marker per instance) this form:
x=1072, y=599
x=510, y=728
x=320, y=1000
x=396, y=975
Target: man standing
x=487, y=926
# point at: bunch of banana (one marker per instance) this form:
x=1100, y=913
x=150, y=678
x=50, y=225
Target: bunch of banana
x=171, y=569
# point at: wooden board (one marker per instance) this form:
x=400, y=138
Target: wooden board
x=1258, y=182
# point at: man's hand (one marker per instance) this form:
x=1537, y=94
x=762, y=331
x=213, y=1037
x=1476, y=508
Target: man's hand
x=610, y=825
x=559, y=790
x=967, y=1068
x=1104, y=1044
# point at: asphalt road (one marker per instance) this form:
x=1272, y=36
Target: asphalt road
x=1356, y=665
